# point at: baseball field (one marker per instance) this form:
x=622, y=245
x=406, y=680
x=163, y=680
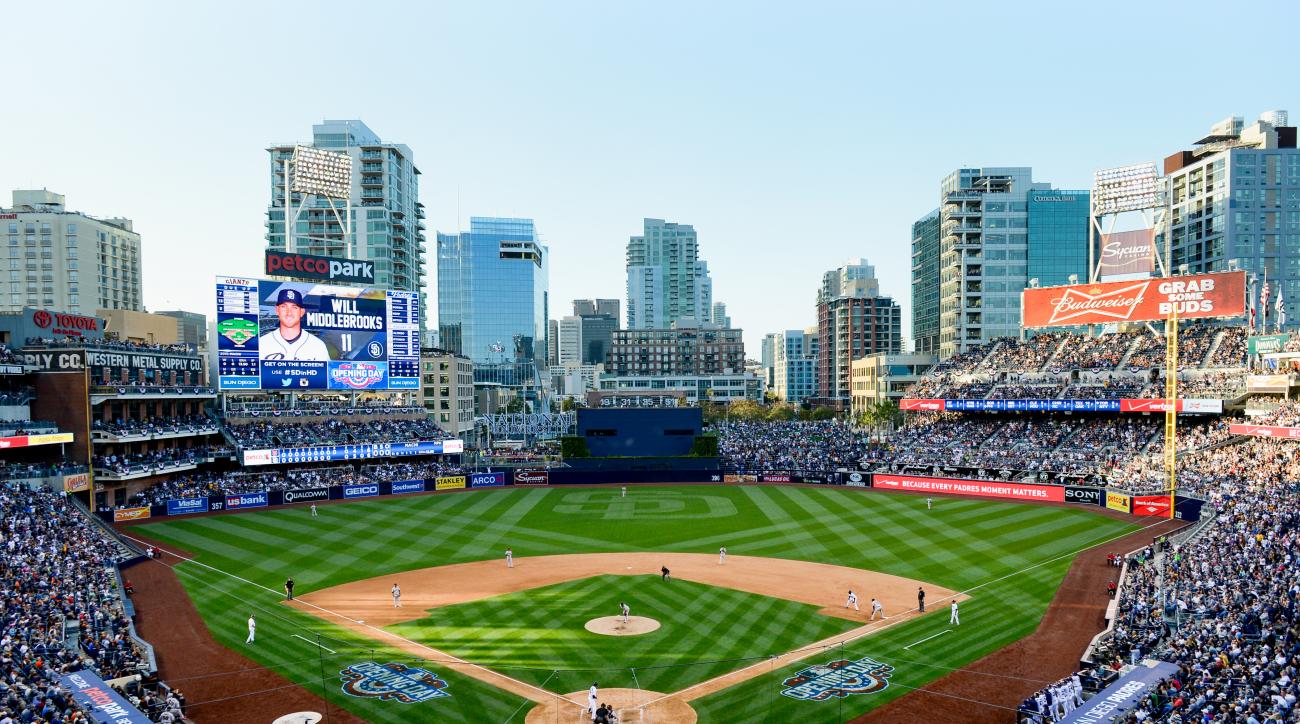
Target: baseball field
x=764, y=637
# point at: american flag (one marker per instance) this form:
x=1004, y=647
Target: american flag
x=1280, y=306
x=1250, y=300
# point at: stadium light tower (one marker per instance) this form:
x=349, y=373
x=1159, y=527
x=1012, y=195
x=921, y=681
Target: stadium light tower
x=326, y=175
x=1116, y=191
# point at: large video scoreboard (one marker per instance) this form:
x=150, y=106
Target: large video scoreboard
x=303, y=336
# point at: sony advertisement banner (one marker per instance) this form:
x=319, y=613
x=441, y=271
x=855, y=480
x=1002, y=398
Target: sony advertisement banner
x=1084, y=495
x=532, y=477
x=1286, y=433
x=407, y=486
x=976, y=488
x=1127, y=254
x=302, y=335
x=181, y=506
x=487, y=480
x=1193, y=296
x=260, y=499
x=308, y=495
x=360, y=491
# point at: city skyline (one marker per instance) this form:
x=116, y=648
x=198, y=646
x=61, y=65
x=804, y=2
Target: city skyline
x=778, y=139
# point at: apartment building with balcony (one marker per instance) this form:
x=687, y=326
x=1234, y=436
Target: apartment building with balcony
x=853, y=320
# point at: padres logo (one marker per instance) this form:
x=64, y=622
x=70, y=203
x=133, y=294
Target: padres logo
x=838, y=679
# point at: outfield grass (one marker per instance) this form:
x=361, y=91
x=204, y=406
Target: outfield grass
x=537, y=636
x=1001, y=548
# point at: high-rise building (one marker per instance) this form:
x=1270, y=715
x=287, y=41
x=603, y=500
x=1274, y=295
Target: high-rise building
x=599, y=320
x=447, y=390
x=686, y=349
x=51, y=247
x=795, y=367
x=720, y=317
x=985, y=239
x=667, y=282
x=553, y=342
x=853, y=320
x=925, y=283
x=493, y=300
x=569, y=347
x=191, y=327
x=1233, y=200
x=387, y=216
x=767, y=360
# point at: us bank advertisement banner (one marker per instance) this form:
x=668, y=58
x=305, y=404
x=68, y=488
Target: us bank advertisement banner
x=1192, y=296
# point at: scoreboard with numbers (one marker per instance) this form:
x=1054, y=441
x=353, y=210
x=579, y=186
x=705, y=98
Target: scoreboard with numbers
x=300, y=335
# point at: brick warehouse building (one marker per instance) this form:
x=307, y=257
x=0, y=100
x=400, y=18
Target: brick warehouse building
x=853, y=320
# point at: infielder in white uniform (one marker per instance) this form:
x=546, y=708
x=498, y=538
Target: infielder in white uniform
x=853, y=601
x=722, y=555
x=877, y=608
x=397, y=596
x=510, y=558
x=252, y=628
x=289, y=341
x=591, y=701
x=625, y=609
x=954, y=618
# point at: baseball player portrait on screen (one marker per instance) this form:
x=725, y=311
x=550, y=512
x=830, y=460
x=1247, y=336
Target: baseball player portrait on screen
x=290, y=341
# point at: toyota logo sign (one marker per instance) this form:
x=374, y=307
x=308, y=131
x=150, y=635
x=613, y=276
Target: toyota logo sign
x=42, y=319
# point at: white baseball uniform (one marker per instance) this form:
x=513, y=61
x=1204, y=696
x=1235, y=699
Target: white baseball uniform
x=626, y=610
x=397, y=596
x=510, y=558
x=877, y=608
x=252, y=629
x=722, y=555
x=313, y=510
x=306, y=346
x=853, y=601
x=954, y=618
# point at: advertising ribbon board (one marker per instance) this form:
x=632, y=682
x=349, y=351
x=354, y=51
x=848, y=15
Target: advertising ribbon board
x=976, y=488
x=260, y=499
x=1286, y=433
x=914, y=404
x=308, y=495
x=407, y=486
x=487, y=480
x=775, y=478
x=1122, y=696
x=181, y=506
x=360, y=491
x=1151, y=505
x=1192, y=296
x=1118, y=501
x=528, y=476
x=450, y=482
x=1084, y=495
x=124, y=514
x=100, y=702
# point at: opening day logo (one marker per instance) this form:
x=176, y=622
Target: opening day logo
x=838, y=679
x=392, y=682
x=357, y=375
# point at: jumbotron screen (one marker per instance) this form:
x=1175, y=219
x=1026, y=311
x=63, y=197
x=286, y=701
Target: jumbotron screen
x=304, y=336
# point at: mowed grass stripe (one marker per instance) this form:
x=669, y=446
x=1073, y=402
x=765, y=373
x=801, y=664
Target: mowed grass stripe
x=503, y=523
x=797, y=537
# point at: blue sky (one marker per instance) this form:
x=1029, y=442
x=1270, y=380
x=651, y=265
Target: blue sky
x=793, y=136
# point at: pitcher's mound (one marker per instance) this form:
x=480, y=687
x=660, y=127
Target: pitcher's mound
x=614, y=626
x=627, y=704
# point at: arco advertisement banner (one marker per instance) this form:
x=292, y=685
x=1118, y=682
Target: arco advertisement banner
x=972, y=488
x=1191, y=296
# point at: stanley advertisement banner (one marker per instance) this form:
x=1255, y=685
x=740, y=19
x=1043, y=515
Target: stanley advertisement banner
x=1194, y=296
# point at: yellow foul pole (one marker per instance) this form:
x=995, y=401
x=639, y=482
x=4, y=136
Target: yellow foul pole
x=1171, y=403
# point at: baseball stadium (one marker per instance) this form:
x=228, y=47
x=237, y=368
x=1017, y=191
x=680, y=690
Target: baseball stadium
x=1093, y=521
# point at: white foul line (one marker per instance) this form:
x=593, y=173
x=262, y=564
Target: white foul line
x=332, y=651
x=927, y=638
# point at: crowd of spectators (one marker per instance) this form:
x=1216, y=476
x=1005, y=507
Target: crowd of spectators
x=156, y=425
x=1285, y=414
x=62, y=608
x=1103, y=352
x=8, y=356
x=790, y=445
x=10, y=428
x=17, y=397
x=25, y=471
x=262, y=434
x=126, y=463
x=1014, y=355
x=110, y=344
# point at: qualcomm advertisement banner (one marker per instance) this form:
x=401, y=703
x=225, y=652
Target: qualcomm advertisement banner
x=247, y=500
x=336, y=453
x=1289, y=433
x=181, y=506
x=977, y=488
x=1123, y=696
x=408, y=486
x=487, y=480
x=309, y=495
x=100, y=702
x=360, y=491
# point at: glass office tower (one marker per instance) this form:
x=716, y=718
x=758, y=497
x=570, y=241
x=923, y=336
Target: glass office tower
x=1058, y=220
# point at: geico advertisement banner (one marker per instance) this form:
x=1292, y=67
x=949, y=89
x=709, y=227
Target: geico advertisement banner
x=130, y=514
x=181, y=506
x=977, y=488
x=1193, y=296
x=487, y=480
x=360, y=491
x=451, y=482
x=309, y=495
x=408, y=486
x=1118, y=501
x=526, y=476
x=1290, y=433
x=260, y=499
x=1151, y=505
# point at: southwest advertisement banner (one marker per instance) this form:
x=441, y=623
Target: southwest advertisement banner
x=526, y=476
x=125, y=514
x=181, y=506
x=99, y=700
x=1118, y=501
x=487, y=480
x=303, y=335
x=335, y=453
x=1151, y=505
x=400, y=487
x=1286, y=433
x=1127, y=254
x=450, y=482
x=976, y=488
x=1192, y=296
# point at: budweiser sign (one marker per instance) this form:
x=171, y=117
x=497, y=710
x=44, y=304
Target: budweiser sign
x=1197, y=296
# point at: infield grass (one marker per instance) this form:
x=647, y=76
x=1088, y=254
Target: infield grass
x=1001, y=550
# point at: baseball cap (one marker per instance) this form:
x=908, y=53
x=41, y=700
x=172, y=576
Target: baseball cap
x=292, y=296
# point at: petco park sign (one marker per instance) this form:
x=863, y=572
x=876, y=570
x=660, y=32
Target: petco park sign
x=1197, y=296
x=319, y=268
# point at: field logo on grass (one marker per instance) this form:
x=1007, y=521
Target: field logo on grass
x=392, y=682
x=838, y=679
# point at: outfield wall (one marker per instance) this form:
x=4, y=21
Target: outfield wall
x=1113, y=499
